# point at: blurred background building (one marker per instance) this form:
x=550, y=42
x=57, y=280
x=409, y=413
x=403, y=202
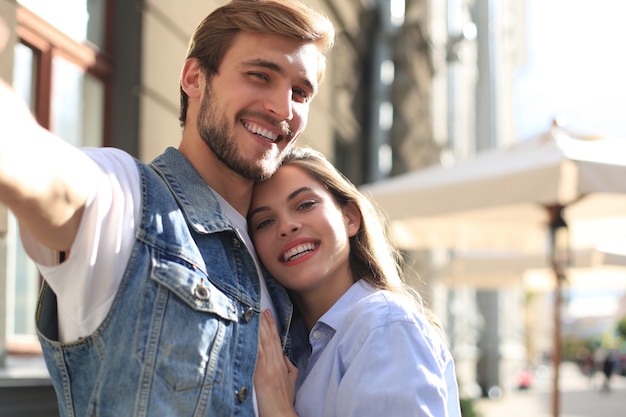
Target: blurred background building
x=410, y=83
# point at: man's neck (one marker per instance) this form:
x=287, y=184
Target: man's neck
x=231, y=186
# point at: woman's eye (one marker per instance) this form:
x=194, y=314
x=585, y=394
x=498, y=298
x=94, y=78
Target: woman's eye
x=262, y=224
x=306, y=205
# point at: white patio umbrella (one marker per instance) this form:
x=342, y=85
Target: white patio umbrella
x=589, y=269
x=498, y=199
x=515, y=199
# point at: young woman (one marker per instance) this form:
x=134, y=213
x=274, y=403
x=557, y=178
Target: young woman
x=363, y=341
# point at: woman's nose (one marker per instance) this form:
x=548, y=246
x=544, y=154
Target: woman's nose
x=288, y=228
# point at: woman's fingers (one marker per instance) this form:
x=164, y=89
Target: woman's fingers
x=274, y=378
x=270, y=350
x=292, y=376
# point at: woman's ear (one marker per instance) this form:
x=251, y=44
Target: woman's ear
x=352, y=217
x=192, y=78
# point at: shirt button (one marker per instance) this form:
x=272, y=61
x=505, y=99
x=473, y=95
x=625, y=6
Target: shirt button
x=249, y=313
x=236, y=243
x=242, y=394
x=317, y=334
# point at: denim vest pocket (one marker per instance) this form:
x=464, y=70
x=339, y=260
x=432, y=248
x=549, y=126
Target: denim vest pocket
x=187, y=324
x=192, y=285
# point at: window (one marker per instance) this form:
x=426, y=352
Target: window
x=63, y=70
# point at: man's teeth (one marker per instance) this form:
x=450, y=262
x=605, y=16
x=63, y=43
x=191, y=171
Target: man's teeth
x=262, y=132
x=298, y=251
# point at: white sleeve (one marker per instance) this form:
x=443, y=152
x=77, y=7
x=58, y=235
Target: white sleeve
x=86, y=282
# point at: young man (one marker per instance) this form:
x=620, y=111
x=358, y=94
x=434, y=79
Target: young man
x=152, y=296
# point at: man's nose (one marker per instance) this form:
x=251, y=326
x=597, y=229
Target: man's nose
x=280, y=102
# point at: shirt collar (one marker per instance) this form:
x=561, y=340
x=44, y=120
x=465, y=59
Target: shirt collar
x=336, y=315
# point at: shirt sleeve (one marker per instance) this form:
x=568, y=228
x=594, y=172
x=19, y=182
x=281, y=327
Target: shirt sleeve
x=87, y=281
x=398, y=371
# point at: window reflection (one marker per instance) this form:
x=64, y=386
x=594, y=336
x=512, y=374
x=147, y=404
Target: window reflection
x=24, y=74
x=82, y=20
x=77, y=104
x=23, y=288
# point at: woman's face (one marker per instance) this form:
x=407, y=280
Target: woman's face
x=301, y=234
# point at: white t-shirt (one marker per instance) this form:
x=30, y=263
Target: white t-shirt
x=85, y=288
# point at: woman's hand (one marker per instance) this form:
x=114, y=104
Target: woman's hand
x=275, y=375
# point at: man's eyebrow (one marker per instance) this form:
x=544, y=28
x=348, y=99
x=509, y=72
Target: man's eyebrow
x=258, y=62
x=272, y=66
x=289, y=198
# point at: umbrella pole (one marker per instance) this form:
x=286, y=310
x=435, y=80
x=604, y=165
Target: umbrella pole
x=559, y=259
x=556, y=355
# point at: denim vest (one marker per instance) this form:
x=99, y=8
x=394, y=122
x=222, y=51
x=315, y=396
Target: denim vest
x=181, y=336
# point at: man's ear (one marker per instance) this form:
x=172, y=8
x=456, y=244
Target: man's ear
x=192, y=78
x=352, y=217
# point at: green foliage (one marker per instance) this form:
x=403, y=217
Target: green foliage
x=468, y=409
x=572, y=347
x=621, y=328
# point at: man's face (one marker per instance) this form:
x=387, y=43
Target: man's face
x=257, y=104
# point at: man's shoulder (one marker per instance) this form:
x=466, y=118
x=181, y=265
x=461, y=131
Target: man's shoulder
x=109, y=156
x=118, y=169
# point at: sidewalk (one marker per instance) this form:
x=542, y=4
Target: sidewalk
x=579, y=398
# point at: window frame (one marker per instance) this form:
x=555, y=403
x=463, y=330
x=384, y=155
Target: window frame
x=47, y=42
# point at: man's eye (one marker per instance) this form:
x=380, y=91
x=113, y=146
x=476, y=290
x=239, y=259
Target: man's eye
x=303, y=95
x=259, y=75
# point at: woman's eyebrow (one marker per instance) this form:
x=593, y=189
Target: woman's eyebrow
x=290, y=197
x=298, y=191
x=257, y=210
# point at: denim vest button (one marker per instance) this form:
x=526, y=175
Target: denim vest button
x=247, y=316
x=236, y=243
x=201, y=292
x=242, y=394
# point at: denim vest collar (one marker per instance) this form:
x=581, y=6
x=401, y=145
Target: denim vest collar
x=202, y=210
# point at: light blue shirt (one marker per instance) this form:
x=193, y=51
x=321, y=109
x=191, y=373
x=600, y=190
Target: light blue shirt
x=373, y=355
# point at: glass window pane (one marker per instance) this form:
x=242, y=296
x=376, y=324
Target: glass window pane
x=22, y=274
x=82, y=20
x=24, y=74
x=77, y=105
x=22, y=285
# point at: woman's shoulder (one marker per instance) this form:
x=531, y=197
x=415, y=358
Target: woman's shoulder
x=383, y=307
x=385, y=312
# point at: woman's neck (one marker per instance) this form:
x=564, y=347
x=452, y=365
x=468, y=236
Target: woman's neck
x=315, y=303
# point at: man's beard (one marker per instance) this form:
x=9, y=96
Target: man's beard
x=215, y=132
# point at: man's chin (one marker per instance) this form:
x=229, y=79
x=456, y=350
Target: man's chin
x=266, y=171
